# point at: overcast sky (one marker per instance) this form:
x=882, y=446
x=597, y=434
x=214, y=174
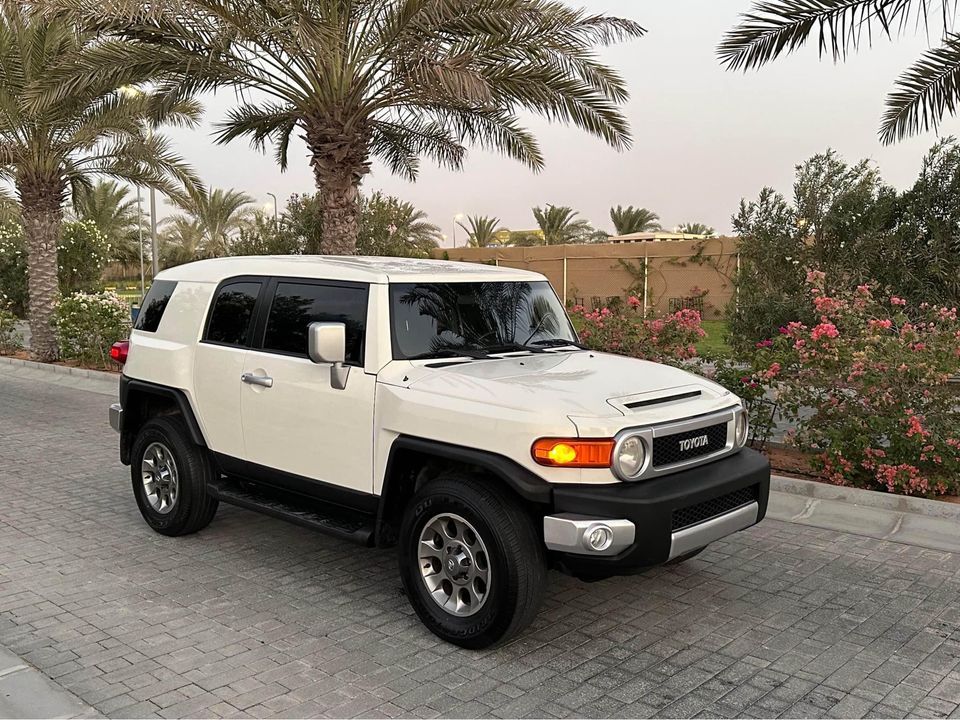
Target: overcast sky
x=703, y=138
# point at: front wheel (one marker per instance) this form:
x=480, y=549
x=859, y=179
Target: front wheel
x=471, y=562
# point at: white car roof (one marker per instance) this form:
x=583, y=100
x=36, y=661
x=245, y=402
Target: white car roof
x=377, y=270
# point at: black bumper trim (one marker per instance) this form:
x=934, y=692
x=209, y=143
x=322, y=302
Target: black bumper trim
x=650, y=506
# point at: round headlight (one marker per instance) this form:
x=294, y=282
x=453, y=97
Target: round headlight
x=743, y=425
x=630, y=456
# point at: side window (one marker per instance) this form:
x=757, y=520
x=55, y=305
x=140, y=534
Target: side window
x=151, y=310
x=296, y=305
x=232, y=313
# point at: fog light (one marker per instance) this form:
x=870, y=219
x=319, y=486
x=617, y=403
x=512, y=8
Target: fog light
x=598, y=538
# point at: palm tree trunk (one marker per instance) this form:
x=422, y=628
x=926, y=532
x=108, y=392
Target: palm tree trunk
x=340, y=159
x=42, y=216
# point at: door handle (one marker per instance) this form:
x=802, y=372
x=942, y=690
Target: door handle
x=261, y=380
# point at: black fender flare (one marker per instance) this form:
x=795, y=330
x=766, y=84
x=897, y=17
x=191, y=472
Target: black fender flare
x=526, y=484
x=131, y=390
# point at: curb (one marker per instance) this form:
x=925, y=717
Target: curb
x=60, y=369
x=912, y=521
x=25, y=692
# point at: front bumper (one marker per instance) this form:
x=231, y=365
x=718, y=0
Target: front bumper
x=670, y=516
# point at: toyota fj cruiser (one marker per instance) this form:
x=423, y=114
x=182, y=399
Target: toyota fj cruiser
x=446, y=408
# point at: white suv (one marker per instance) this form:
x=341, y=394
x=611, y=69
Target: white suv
x=446, y=408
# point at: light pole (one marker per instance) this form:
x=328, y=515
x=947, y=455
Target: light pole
x=143, y=284
x=276, y=223
x=456, y=219
x=131, y=91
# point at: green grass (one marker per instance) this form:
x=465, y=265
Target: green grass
x=715, y=342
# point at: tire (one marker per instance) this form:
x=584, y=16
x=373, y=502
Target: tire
x=505, y=542
x=187, y=508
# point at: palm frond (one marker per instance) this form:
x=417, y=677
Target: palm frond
x=776, y=27
x=924, y=93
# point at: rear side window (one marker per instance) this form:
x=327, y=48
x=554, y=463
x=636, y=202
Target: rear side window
x=296, y=305
x=151, y=310
x=232, y=314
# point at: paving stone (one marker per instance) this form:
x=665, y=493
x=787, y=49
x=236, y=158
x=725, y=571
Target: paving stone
x=254, y=617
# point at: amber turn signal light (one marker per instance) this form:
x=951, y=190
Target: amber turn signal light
x=573, y=452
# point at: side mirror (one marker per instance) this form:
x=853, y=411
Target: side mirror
x=327, y=345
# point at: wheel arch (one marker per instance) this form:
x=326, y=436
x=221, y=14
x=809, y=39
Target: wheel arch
x=142, y=400
x=413, y=461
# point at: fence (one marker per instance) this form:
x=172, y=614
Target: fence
x=666, y=276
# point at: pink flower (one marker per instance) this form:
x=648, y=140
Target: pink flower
x=772, y=371
x=825, y=304
x=633, y=301
x=894, y=300
x=885, y=324
x=765, y=343
x=824, y=329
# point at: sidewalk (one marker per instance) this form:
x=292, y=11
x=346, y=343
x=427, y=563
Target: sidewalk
x=25, y=692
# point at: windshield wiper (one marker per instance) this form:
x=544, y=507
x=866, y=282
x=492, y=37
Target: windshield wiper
x=559, y=342
x=512, y=347
x=451, y=353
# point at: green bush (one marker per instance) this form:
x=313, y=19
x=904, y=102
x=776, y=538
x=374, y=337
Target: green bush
x=88, y=324
x=10, y=339
x=13, y=268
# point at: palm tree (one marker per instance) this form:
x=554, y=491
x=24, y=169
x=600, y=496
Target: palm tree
x=218, y=215
x=412, y=224
x=108, y=205
x=482, y=230
x=50, y=149
x=393, y=80
x=924, y=92
x=628, y=220
x=695, y=228
x=560, y=225
x=181, y=242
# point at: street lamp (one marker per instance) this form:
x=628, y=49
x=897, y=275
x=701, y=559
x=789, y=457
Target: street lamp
x=143, y=284
x=276, y=223
x=131, y=91
x=456, y=219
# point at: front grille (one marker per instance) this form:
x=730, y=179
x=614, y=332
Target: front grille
x=685, y=517
x=670, y=449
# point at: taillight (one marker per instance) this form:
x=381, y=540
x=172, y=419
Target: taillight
x=119, y=350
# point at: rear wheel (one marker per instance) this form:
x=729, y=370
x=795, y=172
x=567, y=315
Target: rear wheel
x=169, y=476
x=471, y=562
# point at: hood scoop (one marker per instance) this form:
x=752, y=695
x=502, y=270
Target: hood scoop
x=637, y=404
x=651, y=401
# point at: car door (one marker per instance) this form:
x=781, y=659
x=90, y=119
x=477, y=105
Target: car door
x=294, y=420
x=219, y=362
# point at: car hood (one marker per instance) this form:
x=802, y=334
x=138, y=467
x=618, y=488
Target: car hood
x=575, y=384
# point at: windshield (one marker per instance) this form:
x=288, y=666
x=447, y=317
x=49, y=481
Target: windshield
x=442, y=319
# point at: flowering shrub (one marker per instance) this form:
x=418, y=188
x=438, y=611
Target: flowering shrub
x=10, y=339
x=82, y=253
x=866, y=388
x=88, y=324
x=623, y=330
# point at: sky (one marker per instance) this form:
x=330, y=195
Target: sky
x=704, y=137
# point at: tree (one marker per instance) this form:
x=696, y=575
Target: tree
x=395, y=81
x=108, y=206
x=630, y=220
x=482, y=230
x=217, y=213
x=389, y=226
x=923, y=94
x=695, y=228
x=262, y=235
x=181, y=241
x=561, y=226
x=49, y=148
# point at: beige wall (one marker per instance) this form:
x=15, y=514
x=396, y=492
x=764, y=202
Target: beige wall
x=595, y=270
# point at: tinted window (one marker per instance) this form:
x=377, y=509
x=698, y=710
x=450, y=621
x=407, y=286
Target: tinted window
x=232, y=313
x=430, y=319
x=151, y=310
x=297, y=305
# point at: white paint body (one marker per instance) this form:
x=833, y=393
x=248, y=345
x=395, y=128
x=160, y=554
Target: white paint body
x=303, y=426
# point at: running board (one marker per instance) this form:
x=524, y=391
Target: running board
x=328, y=519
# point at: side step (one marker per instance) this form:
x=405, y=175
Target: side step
x=322, y=517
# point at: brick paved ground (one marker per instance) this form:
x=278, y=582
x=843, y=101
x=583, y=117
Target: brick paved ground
x=257, y=617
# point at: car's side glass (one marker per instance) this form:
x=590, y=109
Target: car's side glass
x=232, y=313
x=296, y=305
x=151, y=310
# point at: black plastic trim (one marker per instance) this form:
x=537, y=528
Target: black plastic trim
x=310, y=488
x=660, y=400
x=132, y=385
